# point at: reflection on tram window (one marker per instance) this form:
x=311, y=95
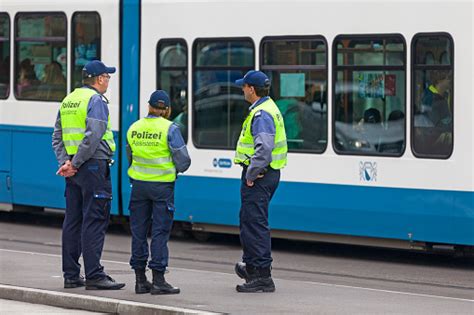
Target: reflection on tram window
x=298, y=72
x=40, y=56
x=172, y=76
x=4, y=56
x=86, y=42
x=432, y=95
x=219, y=107
x=369, y=95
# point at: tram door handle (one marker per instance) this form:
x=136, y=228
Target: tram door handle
x=8, y=182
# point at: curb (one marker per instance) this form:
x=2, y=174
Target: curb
x=89, y=303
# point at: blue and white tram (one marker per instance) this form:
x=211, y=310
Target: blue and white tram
x=376, y=100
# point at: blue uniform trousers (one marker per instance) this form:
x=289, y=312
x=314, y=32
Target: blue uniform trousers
x=88, y=195
x=151, y=204
x=254, y=229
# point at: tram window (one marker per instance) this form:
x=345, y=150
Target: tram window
x=4, y=55
x=297, y=68
x=369, y=95
x=172, y=76
x=86, y=36
x=40, y=56
x=219, y=107
x=432, y=95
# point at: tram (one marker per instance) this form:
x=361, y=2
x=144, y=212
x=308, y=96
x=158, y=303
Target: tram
x=376, y=98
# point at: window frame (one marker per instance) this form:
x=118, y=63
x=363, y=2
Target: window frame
x=72, y=47
x=227, y=68
x=15, y=50
x=336, y=68
x=9, y=40
x=185, y=68
x=301, y=67
x=179, y=68
x=413, y=68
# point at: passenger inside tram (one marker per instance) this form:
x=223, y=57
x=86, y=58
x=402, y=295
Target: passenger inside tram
x=436, y=107
x=27, y=83
x=53, y=85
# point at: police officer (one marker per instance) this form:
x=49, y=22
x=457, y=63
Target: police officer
x=261, y=150
x=84, y=144
x=157, y=152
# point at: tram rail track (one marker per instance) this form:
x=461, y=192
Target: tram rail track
x=303, y=272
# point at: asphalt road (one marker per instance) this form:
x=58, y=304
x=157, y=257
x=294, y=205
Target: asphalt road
x=380, y=280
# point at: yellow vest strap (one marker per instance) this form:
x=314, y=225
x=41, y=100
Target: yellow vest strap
x=152, y=161
x=152, y=171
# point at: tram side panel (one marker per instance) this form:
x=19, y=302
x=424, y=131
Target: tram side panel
x=414, y=200
x=5, y=169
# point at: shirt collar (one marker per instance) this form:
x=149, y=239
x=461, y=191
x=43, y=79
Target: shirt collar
x=152, y=116
x=258, y=102
x=92, y=88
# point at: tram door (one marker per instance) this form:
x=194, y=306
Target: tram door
x=5, y=176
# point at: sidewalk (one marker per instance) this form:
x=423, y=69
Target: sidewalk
x=23, y=308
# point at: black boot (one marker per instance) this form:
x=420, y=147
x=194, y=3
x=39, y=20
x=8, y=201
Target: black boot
x=142, y=285
x=160, y=286
x=241, y=270
x=258, y=280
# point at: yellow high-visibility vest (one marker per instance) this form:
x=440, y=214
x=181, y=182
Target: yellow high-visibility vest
x=151, y=156
x=73, y=112
x=246, y=147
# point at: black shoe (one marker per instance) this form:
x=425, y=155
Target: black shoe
x=74, y=283
x=257, y=285
x=164, y=288
x=160, y=286
x=241, y=271
x=142, y=285
x=106, y=283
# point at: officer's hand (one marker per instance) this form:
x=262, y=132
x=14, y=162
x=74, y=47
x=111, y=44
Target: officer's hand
x=67, y=170
x=250, y=183
x=71, y=171
x=63, y=168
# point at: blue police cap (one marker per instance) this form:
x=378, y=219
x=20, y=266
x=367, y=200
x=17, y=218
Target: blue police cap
x=159, y=99
x=255, y=78
x=95, y=68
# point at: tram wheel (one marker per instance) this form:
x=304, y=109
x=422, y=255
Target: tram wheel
x=201, y=236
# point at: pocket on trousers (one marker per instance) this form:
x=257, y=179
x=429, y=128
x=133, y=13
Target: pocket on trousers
x=170, y=209
x=102, y=203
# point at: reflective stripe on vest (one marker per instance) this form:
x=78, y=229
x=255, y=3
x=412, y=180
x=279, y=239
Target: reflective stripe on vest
x=246, y=147
x=151, y=156
x=73, y=114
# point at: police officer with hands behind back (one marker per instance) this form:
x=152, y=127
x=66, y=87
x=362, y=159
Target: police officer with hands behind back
x=157, y=152
x=84, y=144
x=262, y=152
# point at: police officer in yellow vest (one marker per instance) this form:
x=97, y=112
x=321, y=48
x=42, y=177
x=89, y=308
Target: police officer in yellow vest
x=84, y=144
x=157, y=152
x=261, y=151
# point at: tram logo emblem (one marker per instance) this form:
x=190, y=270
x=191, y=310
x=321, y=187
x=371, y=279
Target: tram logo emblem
x=222, y=163
x=368, y=171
